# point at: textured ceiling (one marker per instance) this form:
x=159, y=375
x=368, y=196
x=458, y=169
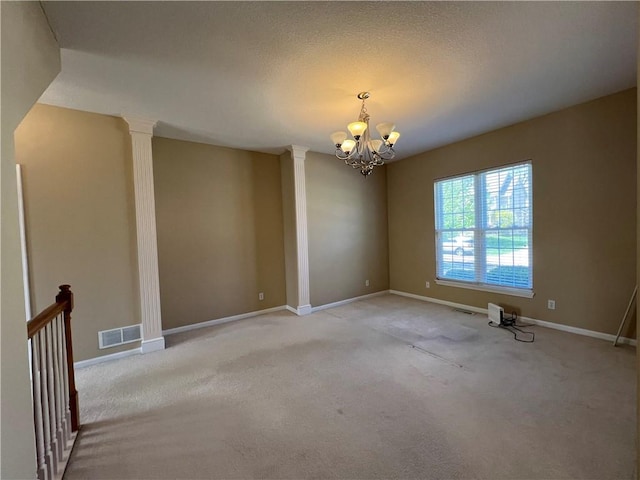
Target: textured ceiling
x=264, y=75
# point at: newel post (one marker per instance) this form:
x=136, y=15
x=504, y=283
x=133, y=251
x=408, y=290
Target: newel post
x=66, y=295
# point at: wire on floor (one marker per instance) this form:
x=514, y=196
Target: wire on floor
x=511, y=325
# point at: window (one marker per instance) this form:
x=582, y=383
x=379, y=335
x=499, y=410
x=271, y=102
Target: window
x=484, y=230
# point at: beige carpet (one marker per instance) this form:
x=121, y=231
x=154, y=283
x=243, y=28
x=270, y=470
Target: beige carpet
x=343, y=394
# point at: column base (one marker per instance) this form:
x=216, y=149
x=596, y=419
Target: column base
x=148, y=346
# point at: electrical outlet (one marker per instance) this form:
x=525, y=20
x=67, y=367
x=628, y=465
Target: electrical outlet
x=427, y=285
x=261, y=296
x=551, y=304
x=366, y=283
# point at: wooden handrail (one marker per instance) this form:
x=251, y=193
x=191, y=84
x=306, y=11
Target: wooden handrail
x=41, y=320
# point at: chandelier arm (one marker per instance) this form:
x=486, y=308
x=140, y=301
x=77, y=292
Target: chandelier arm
x=384, y=148
x=343, y=156
x=352, y=163
x=387, y=153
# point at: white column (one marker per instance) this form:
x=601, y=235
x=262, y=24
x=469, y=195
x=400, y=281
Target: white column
x=141, y=131
x=298, y=154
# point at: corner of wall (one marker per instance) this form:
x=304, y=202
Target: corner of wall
x=30, y=62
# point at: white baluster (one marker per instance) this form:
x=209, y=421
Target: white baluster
x=52, y=397
x=65, y=386
x=37, y=407
x=63, y=418
x=46, y=422
x=60, y=435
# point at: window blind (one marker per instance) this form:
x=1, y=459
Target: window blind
x=484, y=227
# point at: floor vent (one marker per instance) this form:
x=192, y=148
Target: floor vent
x=467, y=312
x=119, y=336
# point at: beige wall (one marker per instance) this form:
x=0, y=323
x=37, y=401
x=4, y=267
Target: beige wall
x=584, y=212
x=220, y=231
x=30, y=61
x=347, y=219
x=79, y=214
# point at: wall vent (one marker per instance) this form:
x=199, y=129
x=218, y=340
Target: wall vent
x=119, y=336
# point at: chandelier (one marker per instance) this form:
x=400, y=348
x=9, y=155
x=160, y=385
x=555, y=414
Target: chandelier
x=362, y=152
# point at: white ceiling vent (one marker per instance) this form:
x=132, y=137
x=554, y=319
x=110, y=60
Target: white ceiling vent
x=119, y=336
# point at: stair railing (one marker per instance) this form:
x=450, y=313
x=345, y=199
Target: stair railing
x=55, y=399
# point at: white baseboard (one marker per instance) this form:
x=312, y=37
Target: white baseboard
x=348, y=300
x=153, y=345
x=218, y=321
x=556, y=326
x=107, y=358
x=440, y=302
x=301, y=310
x=580, y=331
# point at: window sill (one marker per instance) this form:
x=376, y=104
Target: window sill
x=514, y=292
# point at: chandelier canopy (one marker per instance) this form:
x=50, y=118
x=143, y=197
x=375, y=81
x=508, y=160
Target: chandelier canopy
x=362, y=152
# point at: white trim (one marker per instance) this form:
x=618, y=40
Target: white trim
x=68, y=448
x=579, y=331
x=301, y=310
x=218, y=321
x=440, y=302
x=152, y=345
x=348, y=300
x=107, y=358
x=23, y=244
x=140, y=124
x=555, y=326
x=514, y=292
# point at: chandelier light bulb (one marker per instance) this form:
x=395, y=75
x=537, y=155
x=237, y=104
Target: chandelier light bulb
x=357, y=129
x=384, y=129
x=375, y=145
x=393, y=138
x=348, y=145
x=338, y=138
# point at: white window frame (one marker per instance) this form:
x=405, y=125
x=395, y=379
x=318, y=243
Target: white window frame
x=479, y=231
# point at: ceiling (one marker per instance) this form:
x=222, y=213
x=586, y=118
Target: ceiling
x=264, y=75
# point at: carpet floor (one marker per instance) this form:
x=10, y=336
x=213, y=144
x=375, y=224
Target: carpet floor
x=388, y=387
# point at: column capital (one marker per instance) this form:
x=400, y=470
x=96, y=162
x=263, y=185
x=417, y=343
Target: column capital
x=298, y=152
x=140, y=124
